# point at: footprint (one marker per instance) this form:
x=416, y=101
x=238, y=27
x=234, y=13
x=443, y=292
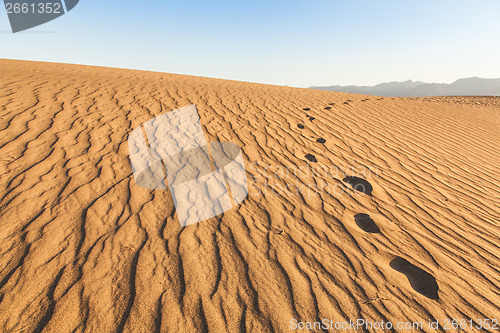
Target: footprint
x=328, y=108
x=321, y=140
x=311, y=158
x=359, y=184
x=306, y=109
x=300, y=126
x=421, y=281
x=365, y=223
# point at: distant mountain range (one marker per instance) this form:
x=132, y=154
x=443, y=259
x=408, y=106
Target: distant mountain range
x=462, y=87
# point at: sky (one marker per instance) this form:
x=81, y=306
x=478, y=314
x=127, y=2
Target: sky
x=298, y=43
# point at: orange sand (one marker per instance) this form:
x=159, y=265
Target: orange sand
x=83, y=248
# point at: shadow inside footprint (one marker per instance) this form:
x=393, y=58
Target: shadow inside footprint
x=321, y=140
x=300, y=126
x=421, y=281
x=306, y=109
x=365, y=223
x=311, y=118
x=311, y=158
x=328, y=108
x=359, y=184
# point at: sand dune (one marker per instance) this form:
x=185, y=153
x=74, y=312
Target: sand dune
x=376, y=208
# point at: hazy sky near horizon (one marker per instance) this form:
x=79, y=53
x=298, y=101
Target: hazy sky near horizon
x=286, y=42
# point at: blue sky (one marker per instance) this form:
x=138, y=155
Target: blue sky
x=285, y=42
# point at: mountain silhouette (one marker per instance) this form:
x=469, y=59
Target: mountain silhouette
x=473, y=86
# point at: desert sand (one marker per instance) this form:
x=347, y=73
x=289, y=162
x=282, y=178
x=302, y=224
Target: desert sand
x=386, y=209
